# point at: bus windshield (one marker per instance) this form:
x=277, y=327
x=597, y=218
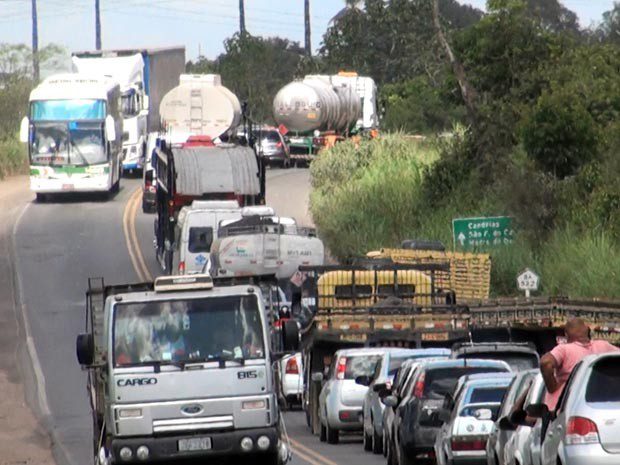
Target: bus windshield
x=186, y=331
x=73, y=143
x=66, y=110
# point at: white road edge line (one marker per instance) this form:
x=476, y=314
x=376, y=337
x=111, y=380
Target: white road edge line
x=126, y=231
x=43, y=403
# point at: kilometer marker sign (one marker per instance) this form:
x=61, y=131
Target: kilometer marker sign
x=484, y=232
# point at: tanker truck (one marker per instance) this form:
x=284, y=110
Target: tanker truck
x=144, y=75
x=196, y=157
x=319, y=110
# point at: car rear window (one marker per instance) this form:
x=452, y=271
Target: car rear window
x=605, y=374
x=272, y=136
x=360, y=365
x=200, y=239
x=440, y=381
x=487, y=395
x=517, y=361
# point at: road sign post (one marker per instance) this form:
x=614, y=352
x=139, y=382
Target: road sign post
x=475, y=233
x=528, y=281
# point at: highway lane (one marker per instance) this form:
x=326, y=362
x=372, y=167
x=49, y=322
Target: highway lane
x=61, y=243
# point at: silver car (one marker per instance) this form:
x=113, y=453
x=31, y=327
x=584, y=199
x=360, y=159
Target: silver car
x=504, y=430
x=523, y=447
x=273, y=148
x=469, y=417
x=341, y=398
x=382, y=379
x=585, y=427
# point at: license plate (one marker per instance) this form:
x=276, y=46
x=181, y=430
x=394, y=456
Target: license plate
x=193, y=444
x=435, y=336
x=67, y=187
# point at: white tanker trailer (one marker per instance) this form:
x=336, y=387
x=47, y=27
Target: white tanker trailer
x=199, y=105
x=319, y=107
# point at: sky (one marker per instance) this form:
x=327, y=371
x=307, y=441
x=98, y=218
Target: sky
x=200, y=25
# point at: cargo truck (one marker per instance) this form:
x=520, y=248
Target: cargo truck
x=320, y=110
x=145, y=76
x=382, y=303
x=182, y=368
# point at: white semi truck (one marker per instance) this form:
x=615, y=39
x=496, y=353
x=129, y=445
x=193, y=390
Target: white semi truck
x=73, y=131
x=183, y=368
x=145, y=76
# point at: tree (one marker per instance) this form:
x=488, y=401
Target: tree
x=609, y=29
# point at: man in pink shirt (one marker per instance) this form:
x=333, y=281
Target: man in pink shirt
x=556, y=366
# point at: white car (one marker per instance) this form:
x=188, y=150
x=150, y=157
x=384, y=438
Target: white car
x=291, y=378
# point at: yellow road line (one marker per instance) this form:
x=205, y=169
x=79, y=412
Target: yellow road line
x=305, y=458
x=300, y=447
x=131, y=237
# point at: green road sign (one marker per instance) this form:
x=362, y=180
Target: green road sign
x=476, y=233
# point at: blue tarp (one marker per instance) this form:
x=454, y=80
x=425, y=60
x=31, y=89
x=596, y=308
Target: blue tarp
x=67, y=110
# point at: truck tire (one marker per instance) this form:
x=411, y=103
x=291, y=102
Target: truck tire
x=333, y=435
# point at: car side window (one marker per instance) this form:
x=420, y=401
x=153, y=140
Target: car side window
x=566, y=390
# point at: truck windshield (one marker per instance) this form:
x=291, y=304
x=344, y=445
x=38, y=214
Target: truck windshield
x=73, y=143
x=188, y=330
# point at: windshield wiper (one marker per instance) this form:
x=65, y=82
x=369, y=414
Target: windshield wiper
x=84, y=160
x=157, y=364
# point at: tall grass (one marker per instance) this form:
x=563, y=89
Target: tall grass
x=13, y=157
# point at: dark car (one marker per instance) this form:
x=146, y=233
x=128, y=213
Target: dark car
x=149, y=178
x=519, y=355
x=416, y=416
x=273, y=148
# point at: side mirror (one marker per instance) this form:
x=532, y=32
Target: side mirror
x=444, y=415
x=110, y=128
x=483, y=414
x=363, y=380
x=505, y=424
x=317, y=377
x=390, y=401
x=380, y=387
x=290, y=335
x=85, y=349
x=537, y=410
x=24, y=130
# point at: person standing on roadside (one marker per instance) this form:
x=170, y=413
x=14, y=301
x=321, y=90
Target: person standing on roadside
x=557, y=365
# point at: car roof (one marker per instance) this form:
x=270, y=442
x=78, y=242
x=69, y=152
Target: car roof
x=363, y=351
x=464, y=348
x=395, y=352
x=591, y=359
x=470, y=362
x=488, y=379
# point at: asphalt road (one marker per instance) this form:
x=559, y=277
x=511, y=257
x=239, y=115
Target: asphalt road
x=60, y=244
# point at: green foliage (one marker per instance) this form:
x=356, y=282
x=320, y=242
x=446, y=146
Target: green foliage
x=13, y=157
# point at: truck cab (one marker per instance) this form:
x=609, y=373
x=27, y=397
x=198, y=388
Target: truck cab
x=180, y=368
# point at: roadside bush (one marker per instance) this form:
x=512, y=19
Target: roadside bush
x=13, y=157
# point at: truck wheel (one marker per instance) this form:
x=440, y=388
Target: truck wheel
x=333, y=435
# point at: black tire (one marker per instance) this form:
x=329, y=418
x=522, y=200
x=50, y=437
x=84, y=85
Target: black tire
x=323, y=433
x=389, y=456
x=366, y=441
x=333, y=435
x=377, y=442
x=385, y=445
x=308, y=418
x=41, y=198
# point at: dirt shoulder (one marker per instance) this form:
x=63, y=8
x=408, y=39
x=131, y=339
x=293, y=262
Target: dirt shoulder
x=23, y=439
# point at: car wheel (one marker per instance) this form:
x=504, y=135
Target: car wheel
x=367, y=441
x=41, y=198
x=333, y=435
x=322, y=433
x=389, y=454
x=377, y=442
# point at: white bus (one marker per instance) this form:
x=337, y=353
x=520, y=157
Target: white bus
x=74, y=132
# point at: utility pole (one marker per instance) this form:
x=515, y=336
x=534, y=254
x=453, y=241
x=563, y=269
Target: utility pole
x=97, y=26
x=308, y=41
x=242, y=17
x=35, y=43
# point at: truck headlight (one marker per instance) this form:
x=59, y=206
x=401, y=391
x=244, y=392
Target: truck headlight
x=253, y=405
x=130, y=413
x=247, y=444
x=142, y=453
x=125, y=454
x=263, y=443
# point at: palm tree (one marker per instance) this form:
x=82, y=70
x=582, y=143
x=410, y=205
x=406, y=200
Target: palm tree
x=242, y=17
x=308, y=42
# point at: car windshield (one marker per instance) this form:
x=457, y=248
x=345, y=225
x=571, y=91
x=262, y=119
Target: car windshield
x=605, y=374
x=188, y=330
x=271, y=136
x=360, y=365
x=440, y=381
x=58, y=144
x=517, y=361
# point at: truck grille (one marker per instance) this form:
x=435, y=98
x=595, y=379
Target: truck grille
x=193, y=424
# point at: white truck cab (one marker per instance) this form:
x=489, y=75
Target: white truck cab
x=196, y=229
x=181, y=368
